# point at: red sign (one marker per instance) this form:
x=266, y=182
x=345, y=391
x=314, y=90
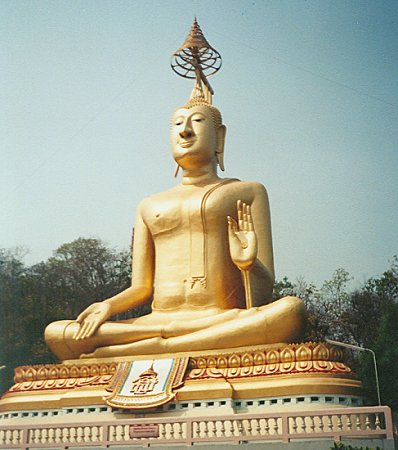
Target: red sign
x=144, y=431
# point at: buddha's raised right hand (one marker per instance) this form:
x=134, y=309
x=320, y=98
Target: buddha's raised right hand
x=91, y=318
x=242, y=237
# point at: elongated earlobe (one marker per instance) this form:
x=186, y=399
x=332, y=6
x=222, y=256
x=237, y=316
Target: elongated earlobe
x=176, y=171
x=222, y=130
x=220, y=160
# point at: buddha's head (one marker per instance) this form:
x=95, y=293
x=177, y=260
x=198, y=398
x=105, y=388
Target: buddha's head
x=197, y=135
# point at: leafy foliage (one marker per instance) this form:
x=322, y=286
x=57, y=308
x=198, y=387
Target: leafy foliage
x=366, y=317
x=78, y=273
x=341, y=446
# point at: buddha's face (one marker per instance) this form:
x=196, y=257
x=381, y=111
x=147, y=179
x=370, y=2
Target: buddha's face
x=193, y=137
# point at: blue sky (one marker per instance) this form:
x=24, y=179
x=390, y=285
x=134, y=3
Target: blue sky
x=308, y=91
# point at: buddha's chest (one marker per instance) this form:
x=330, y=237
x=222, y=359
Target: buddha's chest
x=201, y=210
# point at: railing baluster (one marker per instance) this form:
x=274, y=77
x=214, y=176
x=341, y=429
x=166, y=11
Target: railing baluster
x=294, y=424
x=228, y=428
x=349, y=423
x=247, y=427
x=377, y=421
x=239, y=427
x=257, y=426
x=218, y=427
x=276, y=426
x=51, y=433
x=330, y=423
x=196, y=429
x=303, y=425
x=321, y=426
x=58, y=435
x=339, y=422
x=43, y=437
x=162, y=431
x=205, y=429
x=79, y=434
x=37, y=436
x=210, y=428
x=72, y=434
x=95, y=434
x=266, y=426
x=312, y=424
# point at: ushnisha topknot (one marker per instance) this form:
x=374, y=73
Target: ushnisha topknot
x=201, y=101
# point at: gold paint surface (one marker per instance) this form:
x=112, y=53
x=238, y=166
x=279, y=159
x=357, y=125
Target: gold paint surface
x=203, y=252
x=249, y=372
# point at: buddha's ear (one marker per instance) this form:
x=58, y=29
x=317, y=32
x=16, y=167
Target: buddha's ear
x=222, y=129
x=176, y=171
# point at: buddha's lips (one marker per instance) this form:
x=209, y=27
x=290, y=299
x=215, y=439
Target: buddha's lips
x=186, y=144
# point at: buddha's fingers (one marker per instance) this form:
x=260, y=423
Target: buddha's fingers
x=240, y=214
x=250, y=226
x=79, y=333
x=92, y=326
x=86, y=329
x=232, y=226
x=245, y=223
x=81, y=317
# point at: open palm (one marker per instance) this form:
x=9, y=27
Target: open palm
x=91, y=318
x=242, y=237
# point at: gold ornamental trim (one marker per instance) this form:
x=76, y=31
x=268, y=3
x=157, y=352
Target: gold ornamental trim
x=62, y=383
x=326, y=367
x=275, y=359
x=309, y=357
x=60, y=376
x=57, y=371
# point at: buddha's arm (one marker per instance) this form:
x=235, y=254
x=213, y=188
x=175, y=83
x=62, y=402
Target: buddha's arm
x=262, y=271
x=143, y=270
x=250, y=244
x=139, y=292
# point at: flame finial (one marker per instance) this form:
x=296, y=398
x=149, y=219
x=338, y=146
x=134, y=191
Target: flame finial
x=197, y=59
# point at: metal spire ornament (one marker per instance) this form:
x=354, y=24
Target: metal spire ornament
x=197, y=59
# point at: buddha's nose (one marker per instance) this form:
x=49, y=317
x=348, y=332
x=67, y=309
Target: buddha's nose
x=186, y=133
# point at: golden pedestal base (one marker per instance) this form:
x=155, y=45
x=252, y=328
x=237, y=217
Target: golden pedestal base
x=241, y=373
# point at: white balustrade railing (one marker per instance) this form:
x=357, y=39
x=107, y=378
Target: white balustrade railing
x=359, y=422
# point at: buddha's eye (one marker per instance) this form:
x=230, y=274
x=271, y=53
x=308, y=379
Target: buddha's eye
x=178, y=122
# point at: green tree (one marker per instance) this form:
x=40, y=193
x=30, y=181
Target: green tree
x=283, y=288
x=12, y=340
x=82, y=272
x=380, y=333
x=333, y=301
x=78, y=274
x=325, y=306
x=387, y=285
x=386, y=351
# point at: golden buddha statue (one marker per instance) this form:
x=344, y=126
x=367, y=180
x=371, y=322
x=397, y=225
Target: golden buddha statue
x=202, y=250
x=203, y=254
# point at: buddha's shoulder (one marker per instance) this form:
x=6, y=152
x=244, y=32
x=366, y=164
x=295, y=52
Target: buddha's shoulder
x=228, y=186
x=253, y=187
x=157, y=198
